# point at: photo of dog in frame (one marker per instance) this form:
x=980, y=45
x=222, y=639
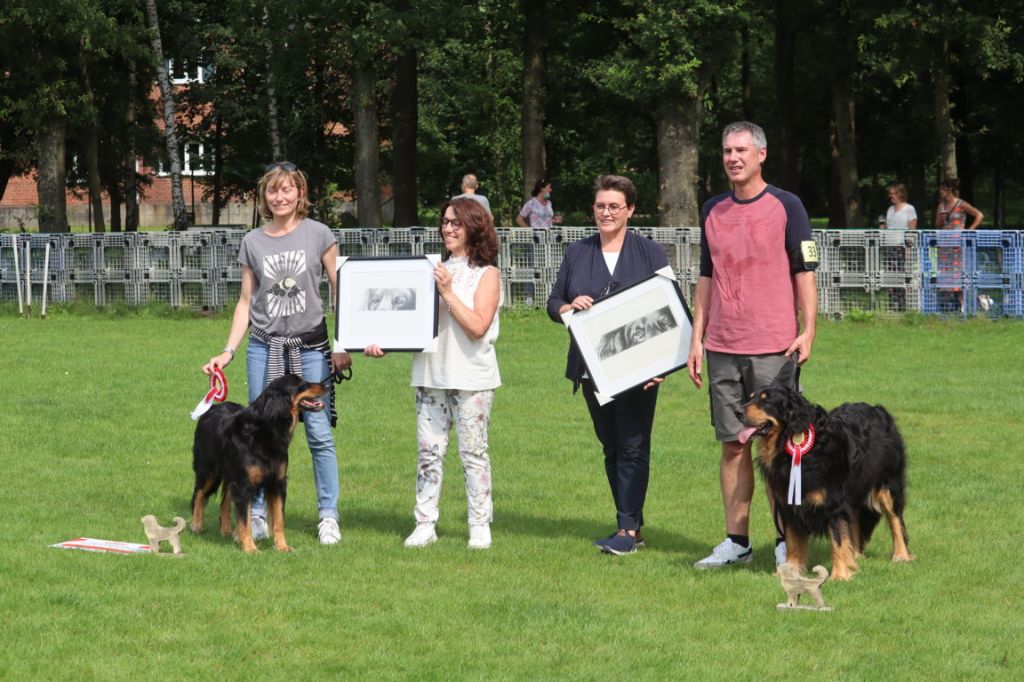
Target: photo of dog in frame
x=853, y=471
x=242, y=449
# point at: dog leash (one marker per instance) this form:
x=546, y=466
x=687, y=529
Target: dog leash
x=218, y=393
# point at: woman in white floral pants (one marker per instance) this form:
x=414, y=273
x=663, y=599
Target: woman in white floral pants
x=456, y=382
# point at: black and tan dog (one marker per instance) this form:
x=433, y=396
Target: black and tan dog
x=853, y=471
x=246, y=448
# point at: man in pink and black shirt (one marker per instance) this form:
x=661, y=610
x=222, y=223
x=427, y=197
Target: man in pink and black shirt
x=758, y=258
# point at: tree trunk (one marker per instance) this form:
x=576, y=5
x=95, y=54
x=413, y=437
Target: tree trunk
x=944, y=130
x=170, y=133
x=92, y=146
x=845, y=154
x=6, y=169
x=50, y=142
x=276, y=150
x=367, y=153
x=114, y=191
x=999, y=192
x=785, y=51
x=965, y=169
x=131, y=198
x=843, y=117
x=745, y=84
x=218, y=170
x=404, y=120
x=678, y=153
x=534, y=156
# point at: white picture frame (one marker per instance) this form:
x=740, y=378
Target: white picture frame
x=390, y=302
x=634, y=334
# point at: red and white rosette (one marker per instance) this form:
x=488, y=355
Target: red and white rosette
x=218, y=393
x=797, y=449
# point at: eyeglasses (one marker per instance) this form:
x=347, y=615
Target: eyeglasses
x=613, y=209
x=454, y=222
x=283, y=165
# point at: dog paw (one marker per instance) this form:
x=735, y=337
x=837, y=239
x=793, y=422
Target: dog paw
x=283, y=548
x=902, y=558
x=196, y=527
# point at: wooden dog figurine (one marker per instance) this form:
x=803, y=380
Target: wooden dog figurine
x=795, y=585
x=156, y=533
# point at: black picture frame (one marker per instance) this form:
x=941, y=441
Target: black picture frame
x=387, y=301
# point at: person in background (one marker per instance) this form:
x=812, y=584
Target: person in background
x=469, y=191
x=282, y=265
x=901, y=215
x=952, y=211
x=538, y=211
x=757, y=262
x=455, y=384
x=593, y=267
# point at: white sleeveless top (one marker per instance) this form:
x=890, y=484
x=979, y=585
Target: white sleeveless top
x=460, y=362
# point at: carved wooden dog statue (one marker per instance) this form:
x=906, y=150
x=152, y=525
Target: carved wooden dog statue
x=795, y=585
x=156, y=533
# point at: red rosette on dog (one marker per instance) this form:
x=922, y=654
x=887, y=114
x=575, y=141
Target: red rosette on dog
x=797, y=452
x=218, y=393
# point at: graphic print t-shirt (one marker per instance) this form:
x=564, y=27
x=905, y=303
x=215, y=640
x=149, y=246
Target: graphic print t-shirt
x=288, y=273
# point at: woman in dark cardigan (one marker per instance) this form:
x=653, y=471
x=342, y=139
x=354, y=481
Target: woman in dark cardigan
x=594, y=267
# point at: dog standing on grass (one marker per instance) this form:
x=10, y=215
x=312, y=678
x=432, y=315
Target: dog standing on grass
x=853, y=471
x=242, y=449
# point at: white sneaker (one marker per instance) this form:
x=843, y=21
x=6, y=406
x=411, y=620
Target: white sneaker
x=421, y=536
x=780, y=553
x=328, y=531
x=259, y=528
x=480, y=536
x=726, y=554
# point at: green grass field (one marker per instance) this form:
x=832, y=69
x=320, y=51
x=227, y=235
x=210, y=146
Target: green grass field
x=96, y=433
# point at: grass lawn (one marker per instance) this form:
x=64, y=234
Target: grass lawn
x=96, y=433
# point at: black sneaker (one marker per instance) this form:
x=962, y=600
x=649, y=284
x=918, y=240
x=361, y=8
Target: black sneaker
x=601, y=542
x=619, y=544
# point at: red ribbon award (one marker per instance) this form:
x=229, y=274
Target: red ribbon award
x=798, y=445
x=218, y=393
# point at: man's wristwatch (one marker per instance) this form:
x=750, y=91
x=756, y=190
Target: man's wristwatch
x=229, y=349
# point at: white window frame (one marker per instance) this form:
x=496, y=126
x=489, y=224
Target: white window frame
x=197, y=77
x=186, y=162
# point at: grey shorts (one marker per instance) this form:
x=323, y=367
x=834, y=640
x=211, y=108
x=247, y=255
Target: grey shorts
x=731, y=381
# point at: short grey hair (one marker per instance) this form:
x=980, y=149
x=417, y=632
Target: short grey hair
x=469, y=181
x=756, y=132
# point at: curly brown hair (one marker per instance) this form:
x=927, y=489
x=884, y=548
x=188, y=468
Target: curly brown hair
x=481, y=239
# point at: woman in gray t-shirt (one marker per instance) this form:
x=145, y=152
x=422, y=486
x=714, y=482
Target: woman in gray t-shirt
x=283, y=263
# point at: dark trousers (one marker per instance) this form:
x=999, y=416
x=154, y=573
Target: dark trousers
x=624, y=428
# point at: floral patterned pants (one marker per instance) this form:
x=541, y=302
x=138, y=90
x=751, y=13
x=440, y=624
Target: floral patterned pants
x=436, y=409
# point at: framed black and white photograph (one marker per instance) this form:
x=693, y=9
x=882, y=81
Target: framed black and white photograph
x=389, y=302
x=634, y=334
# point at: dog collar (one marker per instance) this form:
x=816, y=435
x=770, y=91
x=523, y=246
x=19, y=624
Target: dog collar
x=218, y=392
x=797, y=450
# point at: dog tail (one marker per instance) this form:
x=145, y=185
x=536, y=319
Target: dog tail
x=179, y=524
x=821, y=572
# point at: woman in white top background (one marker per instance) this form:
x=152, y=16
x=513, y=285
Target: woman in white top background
x=901, y=215
x=455, y=384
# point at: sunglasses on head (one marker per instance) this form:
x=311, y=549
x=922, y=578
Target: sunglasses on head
x=283, y=165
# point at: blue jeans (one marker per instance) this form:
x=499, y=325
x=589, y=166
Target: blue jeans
x=624, y=428
x=318, y=426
